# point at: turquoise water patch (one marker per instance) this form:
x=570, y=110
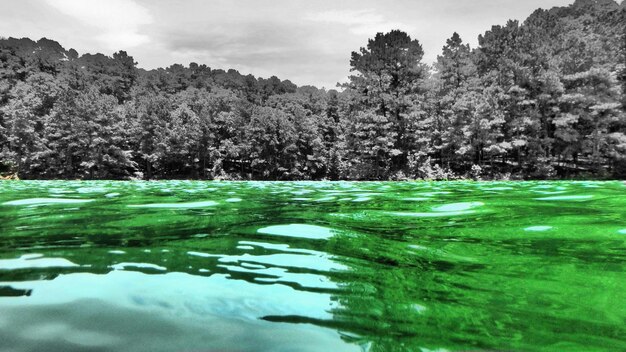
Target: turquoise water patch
x=189, y=205
x=299, y=230
x=204, y=255
x=418, y=308
x=566, y=197
x=33, y=261
x=47, y=201
x=430, y=215
x=538, y=228
x=452, y=209
x=550, y=192
x=123, y=266
x=455, y=207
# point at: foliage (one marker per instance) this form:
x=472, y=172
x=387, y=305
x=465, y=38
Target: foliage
x=539, y=99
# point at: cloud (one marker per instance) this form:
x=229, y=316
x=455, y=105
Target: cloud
x=118, y=21
x=308, y=42
x=360, y=22
x=263, y=48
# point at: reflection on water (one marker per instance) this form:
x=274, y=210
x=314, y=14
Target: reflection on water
x=312, y=266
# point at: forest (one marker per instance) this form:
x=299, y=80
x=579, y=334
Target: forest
x=541, y=99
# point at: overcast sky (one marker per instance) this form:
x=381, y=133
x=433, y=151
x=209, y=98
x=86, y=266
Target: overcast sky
x=306, y=41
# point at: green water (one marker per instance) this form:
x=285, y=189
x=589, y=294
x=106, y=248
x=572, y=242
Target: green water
x=312, y=266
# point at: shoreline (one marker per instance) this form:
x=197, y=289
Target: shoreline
x=318, y=181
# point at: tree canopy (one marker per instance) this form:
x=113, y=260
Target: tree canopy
x=544, y=98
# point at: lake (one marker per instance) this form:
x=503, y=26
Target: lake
x=312, y=266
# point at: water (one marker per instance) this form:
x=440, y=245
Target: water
x=312, y=266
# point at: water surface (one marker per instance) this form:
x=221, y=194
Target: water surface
x=312, y=266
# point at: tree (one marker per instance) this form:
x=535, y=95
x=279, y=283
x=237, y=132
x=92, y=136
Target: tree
x=454, y=80
x=87, y=137
x=24, y=119
x=126, y=72
x=273, y=138
x=389, y=74
x=148, y=115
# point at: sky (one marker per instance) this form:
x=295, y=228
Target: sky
x=306, y=41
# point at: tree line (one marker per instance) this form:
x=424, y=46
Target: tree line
x=540, y=99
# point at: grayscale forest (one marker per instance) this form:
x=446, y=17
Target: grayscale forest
x=538, y=99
